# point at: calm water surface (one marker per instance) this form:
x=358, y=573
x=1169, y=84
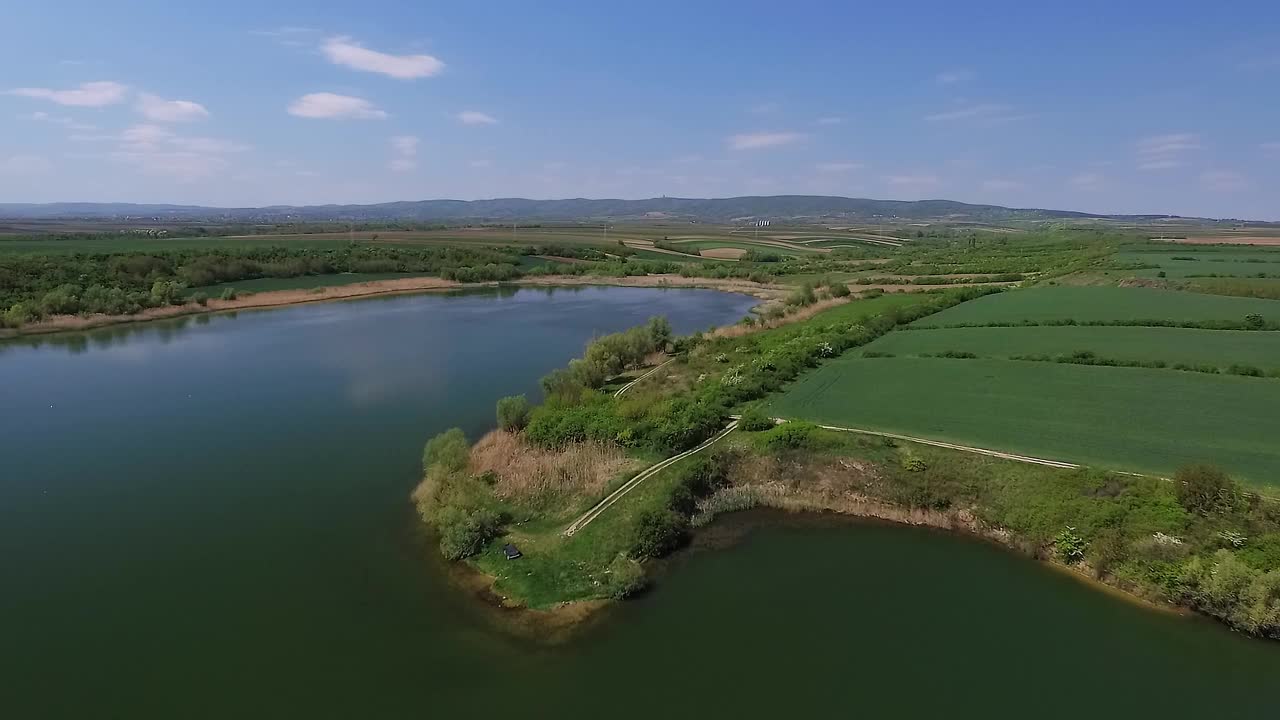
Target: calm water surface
x=209, y=519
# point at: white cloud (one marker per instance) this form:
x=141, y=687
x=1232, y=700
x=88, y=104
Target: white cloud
x=1224, y=181
x=68, y=123
x=923, y=180
x=25, y=165
x=988, y=113
x=1087, y=181
x=757, y=140
x=90, y=94
x=838, y=167
x=405, y=153
x=829, y=120
x=953, y=77
x=1163, y=152
x=157, y=150
x=330, y=105
x=999, y=185
x=475, y=117
x=342, y=51
x=158, y=109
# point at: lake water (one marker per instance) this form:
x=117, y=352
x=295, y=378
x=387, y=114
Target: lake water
x=210, y=519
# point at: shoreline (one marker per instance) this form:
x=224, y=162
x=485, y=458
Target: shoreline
x=398, y=286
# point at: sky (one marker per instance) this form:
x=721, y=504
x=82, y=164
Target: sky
x=1123, y=107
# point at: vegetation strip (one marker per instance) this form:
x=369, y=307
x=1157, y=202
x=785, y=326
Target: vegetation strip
x=616, y=495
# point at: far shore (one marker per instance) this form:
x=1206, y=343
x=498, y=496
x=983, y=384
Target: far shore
x=396, y=286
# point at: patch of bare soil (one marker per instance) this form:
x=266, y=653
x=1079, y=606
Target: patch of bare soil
x=723, y=253
x=1230, y=240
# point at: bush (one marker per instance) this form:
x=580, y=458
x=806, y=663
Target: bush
x=1069, y=546
x=228, y=294
x=513, y=413
x=755, y=419
x=840, y=290
x=626, y=577
x=1206, y=490
x=802, y=296
x=448, y=451
x=1254, y=321
x=658, y=533
x=200, y=298
x=792, y=435
x=465, y=531
x=914, y=464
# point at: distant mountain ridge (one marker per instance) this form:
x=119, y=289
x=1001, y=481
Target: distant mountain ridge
x=776, y=207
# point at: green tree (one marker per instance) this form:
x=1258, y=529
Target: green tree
x=658, y=533
x=448, y=451
x=513, y=413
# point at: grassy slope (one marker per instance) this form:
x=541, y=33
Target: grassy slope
x=1100, y=303
x=1124, y=418
x=1230, y=264
x=1219, y=348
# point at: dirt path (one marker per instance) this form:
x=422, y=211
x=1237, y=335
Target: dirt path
x=589, y=516
x=629, y=385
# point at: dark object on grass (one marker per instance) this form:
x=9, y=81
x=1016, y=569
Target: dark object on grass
x=511, y=551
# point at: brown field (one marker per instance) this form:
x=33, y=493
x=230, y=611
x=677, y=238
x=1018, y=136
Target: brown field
x=1230, y=240
x=724, y=253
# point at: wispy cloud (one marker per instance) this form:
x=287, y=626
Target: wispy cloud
x=1087, y=181
x=343, y=51
x=759, y=140
x=838, y=167
x=157, y=109
x=764, y=108
x=1001, y=185
x=1163, y=152
x=982, y=113
x=954, y=76
x=332, y=106
x=90, y=94
x=1226, y=181
x=289, y=36
x=68, y=123
x=475, y=117
x=157, y=150
x=25, y=165
x=404, y=149
x=829, y=120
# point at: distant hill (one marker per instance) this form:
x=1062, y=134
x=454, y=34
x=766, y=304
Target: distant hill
x=774, y=207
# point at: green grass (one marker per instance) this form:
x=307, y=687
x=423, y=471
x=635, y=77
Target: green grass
x=1218, y=348
x=1100, y=303
x=1121, y=418
x=762, y=246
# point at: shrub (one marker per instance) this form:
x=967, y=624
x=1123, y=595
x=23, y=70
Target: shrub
x=448, y=451
x=914, y=464
x=228, y=294
x=465, y=531
x=1248, y=370
x=626, y=577
x=1206, y=490
x=513, y=413
x=200, y=298
x=792, y=435
x=21, y=313
x=1254, y=321
x=802, y=296
x=658, y=533
x=840, y=290
x=755, y=419
x=1069, y=546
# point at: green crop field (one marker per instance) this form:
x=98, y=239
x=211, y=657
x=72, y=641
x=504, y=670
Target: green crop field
x=1219, y=348
x=1123, y=418
x=743, y=245
x=1178, y=265
x=1095, y=303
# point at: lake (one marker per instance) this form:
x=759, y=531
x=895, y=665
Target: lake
x=209, y=518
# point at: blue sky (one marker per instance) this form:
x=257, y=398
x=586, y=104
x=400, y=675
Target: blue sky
x=1168, y=107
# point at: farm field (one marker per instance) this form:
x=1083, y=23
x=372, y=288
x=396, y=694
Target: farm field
x=1095, y=303
x=1218, y=348
x=1132, y=419
x=762, y=246
x=1189, y=264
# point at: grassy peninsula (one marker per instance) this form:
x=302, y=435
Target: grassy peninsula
x=1200, y=541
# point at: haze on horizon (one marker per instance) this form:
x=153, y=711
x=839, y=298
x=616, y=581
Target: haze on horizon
x=1137, y=107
